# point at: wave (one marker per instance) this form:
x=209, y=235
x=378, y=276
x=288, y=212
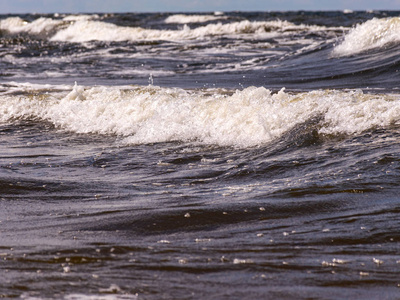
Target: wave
x=247, y=118
x=39, y=27
x=42, y=25
x=186, y=19
x=375, y=33
x=89, y=28
x=84, y=31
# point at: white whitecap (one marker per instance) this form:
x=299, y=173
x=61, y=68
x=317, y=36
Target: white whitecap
x=40, y=26
x=254, y=116
x=186, y=19
x=374, y=33
x=89, y=30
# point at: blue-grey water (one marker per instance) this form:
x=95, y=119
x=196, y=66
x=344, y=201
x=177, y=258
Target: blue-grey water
x=200, y=156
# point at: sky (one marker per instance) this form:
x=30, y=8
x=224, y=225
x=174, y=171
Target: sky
x=102, y=6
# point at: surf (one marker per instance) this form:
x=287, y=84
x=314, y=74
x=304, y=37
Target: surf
x=85, y=28
x=241, y=118
x=375, y=33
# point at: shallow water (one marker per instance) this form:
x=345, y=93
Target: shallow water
x=233, y=156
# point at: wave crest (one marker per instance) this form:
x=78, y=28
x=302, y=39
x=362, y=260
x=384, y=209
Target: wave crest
x=40, y=27
x=374, y=33
x=247, y=118
x=186, y=19
x=83, y=28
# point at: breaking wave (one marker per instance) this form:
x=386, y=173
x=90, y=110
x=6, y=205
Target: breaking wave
x=375, y=33
x=251, y=117
x=88, y=28
x=185, y=19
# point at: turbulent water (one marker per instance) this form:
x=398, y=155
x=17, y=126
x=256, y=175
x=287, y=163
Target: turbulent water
x=200, y=156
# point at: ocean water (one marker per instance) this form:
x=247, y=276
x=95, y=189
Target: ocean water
x=200, y=156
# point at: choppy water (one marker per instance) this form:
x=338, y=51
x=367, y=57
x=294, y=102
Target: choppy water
x=208, y=156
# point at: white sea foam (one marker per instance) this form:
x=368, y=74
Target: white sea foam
x=41, y=26
x=186, y=19
x=251, y=117
x=83, y=31
x=83, y=28
x=80, y=17
x=374, y=33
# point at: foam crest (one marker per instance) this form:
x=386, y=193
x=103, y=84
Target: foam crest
x=87, y=30
x=247, y=118
x=374, y=33
x=186, y=19
x=83, y=28
x=41, y=26
x=81, y=17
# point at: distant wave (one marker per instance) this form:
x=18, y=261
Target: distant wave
x=375, y=33
x=91, y=30
x=186, y=19
x=42, y=26
x=247, y=118
x=85, y=28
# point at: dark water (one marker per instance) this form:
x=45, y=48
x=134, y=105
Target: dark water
x=178, y=168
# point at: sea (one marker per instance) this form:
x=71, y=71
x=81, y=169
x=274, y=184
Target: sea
x=220, y=155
